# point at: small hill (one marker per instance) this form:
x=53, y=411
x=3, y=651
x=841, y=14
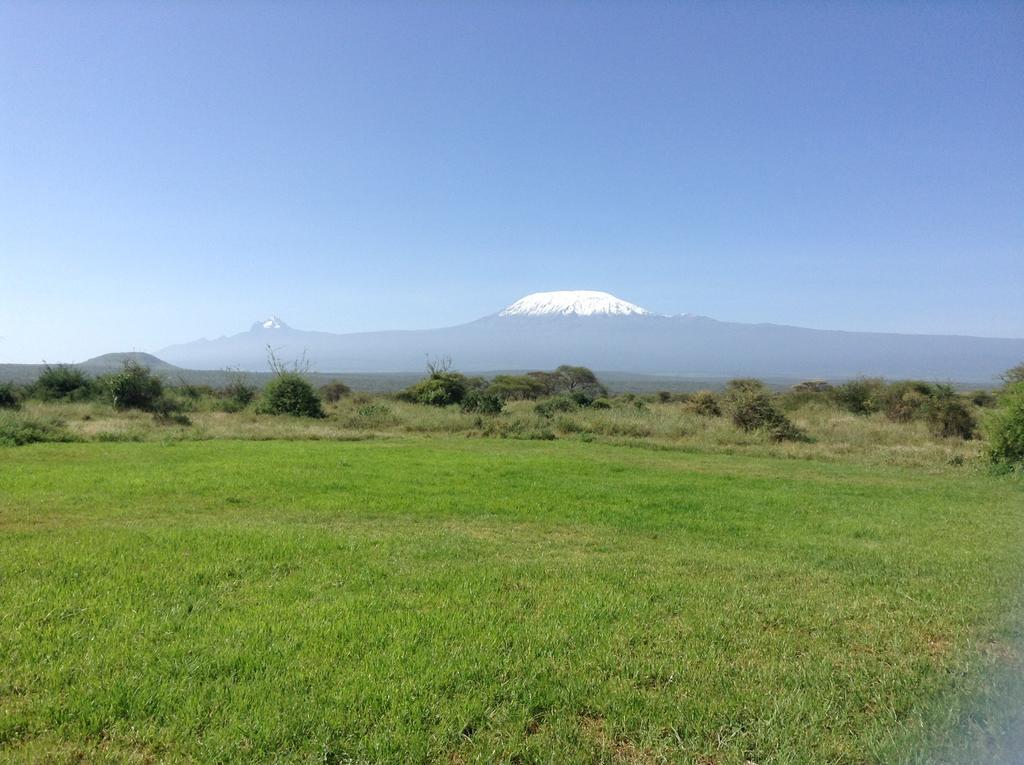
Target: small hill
x=112, y=361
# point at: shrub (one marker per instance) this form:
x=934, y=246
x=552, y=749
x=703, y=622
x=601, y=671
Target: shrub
x=167, y=411
x=860, y=396
x=805, y=392
x=134, y=387
x=482, y=402
x=239, y=392
x=63, y=383
x=18, y=430
x=705, y=403
x=439, y=388
x=334, y=391
x=947, y=415
x=904, y=401
x=555, y=404
x=983, y=399
x=1006, y=431
x=9, y=397
x=1014, y=375
x=374, y=411
x=751, y=409
x=290, y=393
x=193, y=392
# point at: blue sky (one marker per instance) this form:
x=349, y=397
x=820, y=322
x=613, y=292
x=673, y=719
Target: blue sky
x=176, y=170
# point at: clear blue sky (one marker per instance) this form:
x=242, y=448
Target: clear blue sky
x=176, y=170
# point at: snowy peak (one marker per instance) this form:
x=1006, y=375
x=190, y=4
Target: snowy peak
x=273, y=322
x=573, y=303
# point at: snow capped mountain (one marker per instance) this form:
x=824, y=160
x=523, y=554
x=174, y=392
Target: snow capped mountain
x=273, y=322
x=573, y=303
x=598, y=330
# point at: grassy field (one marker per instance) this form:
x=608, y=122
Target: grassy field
x=834, y=434
x=454, y=600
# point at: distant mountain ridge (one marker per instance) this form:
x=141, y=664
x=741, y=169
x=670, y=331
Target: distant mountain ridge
x=599, y=330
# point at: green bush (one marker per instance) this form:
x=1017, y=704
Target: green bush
x=439, y=388
x=239, y=392
x=1013, y=375
x=751, y=409
x=984, y=399
x=860, y=396
x=63, y=383
x=371, y=411
x=9, y=397
x=482, y=402
x=290, y=393
x=555, y=404
x=705, y=403
x=1006, y=430
x=334, y=391
x=193, y=392
x=948, y=416
x=134, y=387
x=18, y=430
x=167, y=411
x=806, y=392
x=905, y=400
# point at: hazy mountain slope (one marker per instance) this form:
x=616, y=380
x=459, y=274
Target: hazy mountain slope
x=549, y=329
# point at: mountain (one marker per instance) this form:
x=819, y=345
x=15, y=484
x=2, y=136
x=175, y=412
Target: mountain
x=601, y=331
x=114, y=362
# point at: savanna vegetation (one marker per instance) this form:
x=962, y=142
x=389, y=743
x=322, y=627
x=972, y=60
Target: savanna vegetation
x=521, y=569
x=913, y=423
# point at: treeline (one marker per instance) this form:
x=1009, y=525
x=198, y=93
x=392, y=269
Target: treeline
x=746, y=402
x=444, y=387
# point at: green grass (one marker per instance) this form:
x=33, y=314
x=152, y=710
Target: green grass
x=459, y=600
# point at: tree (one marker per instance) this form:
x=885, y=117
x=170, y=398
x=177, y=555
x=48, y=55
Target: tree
x=579, y=380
